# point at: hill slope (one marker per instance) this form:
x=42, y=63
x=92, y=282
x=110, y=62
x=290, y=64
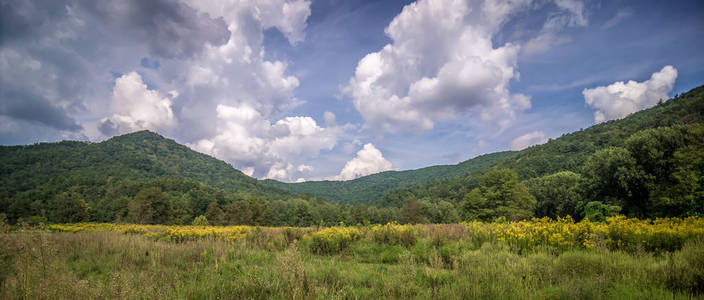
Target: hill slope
x=138, y=155
x=451, y=182
x=31, y=176
x=371, y=188
x=568, y=152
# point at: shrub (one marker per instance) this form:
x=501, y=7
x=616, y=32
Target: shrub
x=394, y=234
x=686, y=268
x=293, y=234
x=200, y=221
x=334, y=239
x=596, y=211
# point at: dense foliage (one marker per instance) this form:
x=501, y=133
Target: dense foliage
x=650, y=164
x=142, y=178
x=371, y=188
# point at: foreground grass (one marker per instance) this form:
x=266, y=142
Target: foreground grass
x=427, y=262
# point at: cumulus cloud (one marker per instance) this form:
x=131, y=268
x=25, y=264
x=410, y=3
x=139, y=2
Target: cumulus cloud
x=237, y=72
x=369, y=160
x=70, y=49
x=60, y=58
x=527, y=140
x=263, y=148
x=442, y=63
x=620, y=99
x=135, y=107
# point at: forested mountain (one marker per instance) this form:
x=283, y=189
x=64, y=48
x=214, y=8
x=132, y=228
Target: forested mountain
x=453, y=182
x=650, y=163
x=371, y=188
x=70, y=180
x=139, y=156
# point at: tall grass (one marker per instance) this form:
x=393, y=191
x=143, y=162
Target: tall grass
x=424, y=262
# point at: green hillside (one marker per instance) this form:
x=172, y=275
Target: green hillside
x=648, y=164
x=662, y=148
x=140, y=155
x=371, y=188
x=452, y=182
x=107, y=175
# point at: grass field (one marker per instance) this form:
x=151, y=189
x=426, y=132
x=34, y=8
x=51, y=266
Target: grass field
x=538, y=259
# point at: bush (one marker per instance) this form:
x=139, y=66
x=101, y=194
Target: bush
x=686, y=268
x=334, y=239
x=200, y=221
x=293, y=234
x=394, y=234
x=596, y=211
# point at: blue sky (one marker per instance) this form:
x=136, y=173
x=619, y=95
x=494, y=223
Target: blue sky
x=298, y=90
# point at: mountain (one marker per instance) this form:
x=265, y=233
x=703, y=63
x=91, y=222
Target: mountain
x=648, y=164
x=568, y=152
x=110, y=173
x=139, y=155
x=371, y=188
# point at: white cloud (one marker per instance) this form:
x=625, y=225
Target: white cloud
x=235, y=95
x=620, y=99
x=527, y=140
x=249, y=171
x=237, y=73
x=252, y=143
x=619, y=17
x=442, y=64
x=135, y=107
x=369, y=160
x=551, y=34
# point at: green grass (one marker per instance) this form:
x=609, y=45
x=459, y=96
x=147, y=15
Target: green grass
x=37, y=264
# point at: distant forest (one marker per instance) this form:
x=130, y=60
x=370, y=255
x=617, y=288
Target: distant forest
x=649, y=164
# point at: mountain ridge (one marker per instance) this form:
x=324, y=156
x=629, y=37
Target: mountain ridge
x=370, y=188
x=567, y=152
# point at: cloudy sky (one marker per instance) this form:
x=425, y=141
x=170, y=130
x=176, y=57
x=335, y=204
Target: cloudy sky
x=330, y=89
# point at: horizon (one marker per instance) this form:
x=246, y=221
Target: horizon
x=322, y=90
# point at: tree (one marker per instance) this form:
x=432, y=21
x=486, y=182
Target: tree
x=200, y=221
x=238, y=213
x=446, y=212
x=68, y=207
x=685, y=196
x=150, y=206
x=558, y=195
x=214, y=214
x=499, y=195
x=596, y=211
x=139, y=212
x=412, y=212
x=613, y=176
x=673, y=157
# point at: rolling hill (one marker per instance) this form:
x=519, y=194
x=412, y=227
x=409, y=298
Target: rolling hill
x=146, y=178
x=568, y=152
x=452, y=182
x=371, y=188
x=107, y=175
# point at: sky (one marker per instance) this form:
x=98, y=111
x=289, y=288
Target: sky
x=298, y=90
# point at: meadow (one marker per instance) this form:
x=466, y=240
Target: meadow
x=536, y=259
